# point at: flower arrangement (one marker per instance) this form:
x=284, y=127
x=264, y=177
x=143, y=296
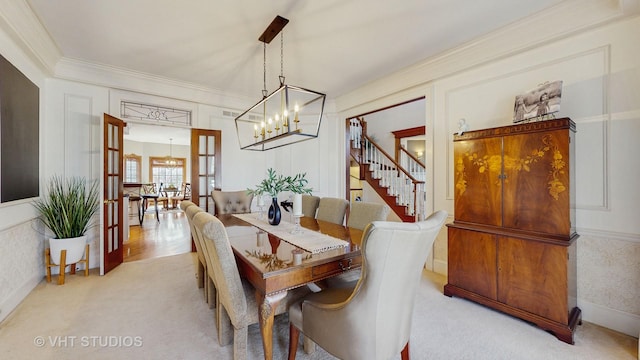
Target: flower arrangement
x=274, y=184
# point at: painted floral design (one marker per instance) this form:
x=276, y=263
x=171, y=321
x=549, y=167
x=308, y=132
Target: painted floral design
x=494, y=163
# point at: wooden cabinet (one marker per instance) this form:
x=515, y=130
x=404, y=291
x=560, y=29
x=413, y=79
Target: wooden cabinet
x=512, y=245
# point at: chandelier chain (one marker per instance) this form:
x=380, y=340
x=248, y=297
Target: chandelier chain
x=264, y=72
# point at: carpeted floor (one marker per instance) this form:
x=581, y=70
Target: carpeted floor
x=152, y=309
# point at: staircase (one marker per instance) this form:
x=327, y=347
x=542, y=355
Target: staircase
x=401, y=187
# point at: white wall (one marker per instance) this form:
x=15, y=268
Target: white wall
x=601, y=93
x=21, y=238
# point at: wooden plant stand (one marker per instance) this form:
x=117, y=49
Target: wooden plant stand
x=63, y=265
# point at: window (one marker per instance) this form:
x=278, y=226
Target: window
x=132, y=166
x=167, y=170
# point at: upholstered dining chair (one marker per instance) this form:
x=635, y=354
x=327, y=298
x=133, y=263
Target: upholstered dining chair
x=203, y=277
x=362, y=213
x=231, y=202
x=310, y=205
x=332, y=210
x=237, y=308
x=373, y=319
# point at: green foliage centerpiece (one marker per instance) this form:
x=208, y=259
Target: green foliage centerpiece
x=274, y=184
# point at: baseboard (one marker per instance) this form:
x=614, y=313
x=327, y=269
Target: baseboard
x=440, y=267
x=623, y=322
x=10, y=303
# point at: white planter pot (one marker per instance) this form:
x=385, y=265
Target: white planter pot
x=74, y=246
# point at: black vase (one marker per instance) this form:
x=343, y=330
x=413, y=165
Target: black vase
x=274, y=212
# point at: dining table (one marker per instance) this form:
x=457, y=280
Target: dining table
x=277, y=259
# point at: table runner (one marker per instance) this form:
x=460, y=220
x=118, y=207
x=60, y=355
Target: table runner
x=312, y=241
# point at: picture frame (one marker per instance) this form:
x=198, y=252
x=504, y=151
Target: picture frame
x=539, y=103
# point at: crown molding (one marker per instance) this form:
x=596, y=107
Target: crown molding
x=21, y=24
x=558, y=22
x=129, y=80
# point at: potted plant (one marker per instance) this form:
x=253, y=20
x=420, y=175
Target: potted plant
x=67, y=210
x=274, y=184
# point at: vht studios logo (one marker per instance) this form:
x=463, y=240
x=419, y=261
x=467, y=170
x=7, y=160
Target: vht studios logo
x=88, y=341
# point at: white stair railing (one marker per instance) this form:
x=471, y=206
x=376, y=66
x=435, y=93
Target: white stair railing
x=405, y=182
x=408, y=191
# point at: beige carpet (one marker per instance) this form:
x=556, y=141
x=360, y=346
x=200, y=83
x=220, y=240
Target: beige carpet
x=152, y=309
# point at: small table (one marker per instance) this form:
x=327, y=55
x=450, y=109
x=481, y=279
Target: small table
x=272, y=284
x=143, y=205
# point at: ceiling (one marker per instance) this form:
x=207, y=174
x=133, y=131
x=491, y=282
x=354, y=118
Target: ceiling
x=330, y=46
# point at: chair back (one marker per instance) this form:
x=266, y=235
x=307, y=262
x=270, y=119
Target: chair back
x=363, y=213
x=223, y=263
x=310, y=205
x=186, y=191
x=190, y=210
x=149, y=188
x=332, y=210
x=376, y=318
x=184, y=205
x=231, y=202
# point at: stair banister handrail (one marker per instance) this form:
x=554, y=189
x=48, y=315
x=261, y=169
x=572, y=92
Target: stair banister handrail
x=412, y=157
x=398, y=167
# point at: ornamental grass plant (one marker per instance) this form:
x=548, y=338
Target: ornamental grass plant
x=68, y=206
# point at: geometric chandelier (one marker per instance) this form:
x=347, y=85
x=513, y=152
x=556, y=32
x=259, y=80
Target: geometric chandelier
x=289, y=115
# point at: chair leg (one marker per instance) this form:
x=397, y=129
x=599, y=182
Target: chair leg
x=212, y=294
x=405, y=352
x=308, y=345
x=240, y=343
x=294, y=335
x=225, y=328
x=201, y=276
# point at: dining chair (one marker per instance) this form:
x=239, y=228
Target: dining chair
x=202, y=275
x=332, y=210
x=362, y=213
x=183, y=194
x=148, y=189
x=310, y=205
x=231, y=202
x=237, y=307
x=373, y=319
x=163, y=198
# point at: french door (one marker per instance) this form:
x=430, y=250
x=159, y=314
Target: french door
x=113, y=210
x=206, y=161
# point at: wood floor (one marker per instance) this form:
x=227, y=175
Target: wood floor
x=170, y=236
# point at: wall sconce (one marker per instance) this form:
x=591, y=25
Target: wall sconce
x=288, y=115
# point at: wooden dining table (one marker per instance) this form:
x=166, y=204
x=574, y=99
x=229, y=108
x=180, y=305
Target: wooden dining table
x=266, y=261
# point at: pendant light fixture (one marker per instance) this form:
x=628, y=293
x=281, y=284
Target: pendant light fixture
x=288, y=115
x=171, y=161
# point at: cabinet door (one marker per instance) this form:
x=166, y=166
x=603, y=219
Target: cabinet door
x=478, y=167
x=532, y=276
x=472, y=261
x=536, y=184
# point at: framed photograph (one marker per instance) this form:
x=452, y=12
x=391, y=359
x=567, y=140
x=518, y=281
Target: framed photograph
x=539, y=102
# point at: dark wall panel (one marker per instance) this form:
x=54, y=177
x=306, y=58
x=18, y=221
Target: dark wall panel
x=19, y=134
